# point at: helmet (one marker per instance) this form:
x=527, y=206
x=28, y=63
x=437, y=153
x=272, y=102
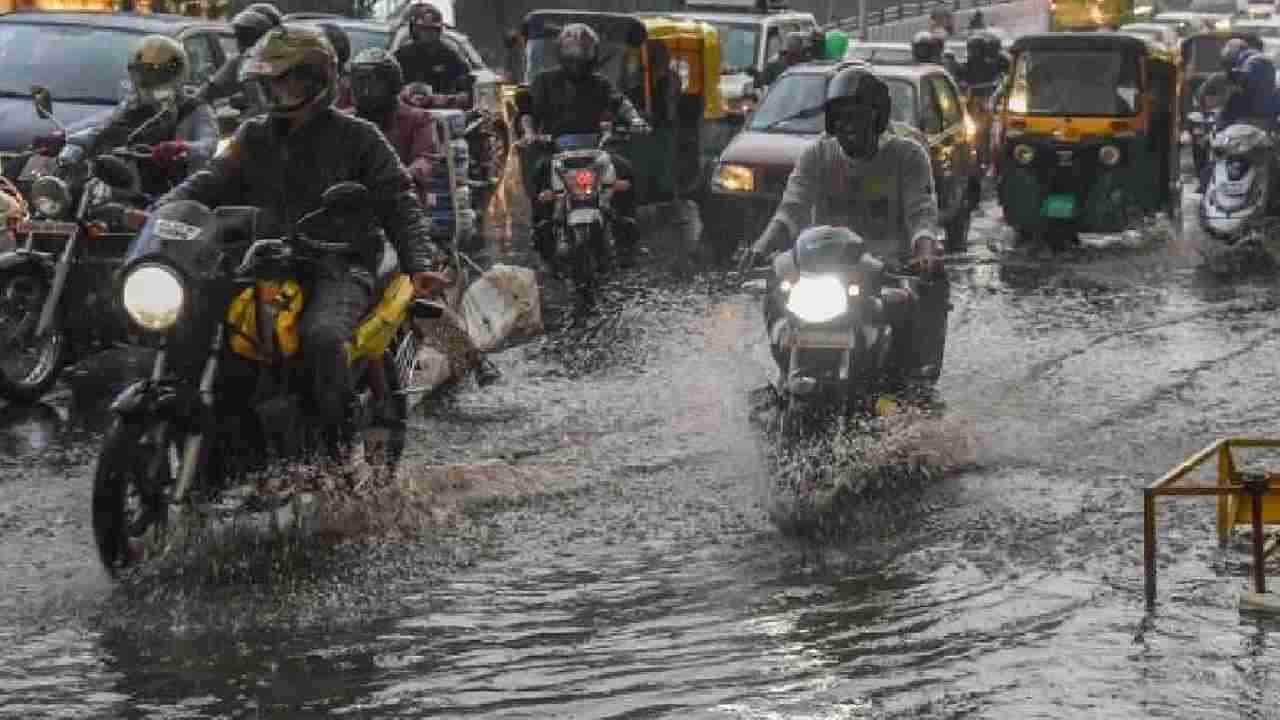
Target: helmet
x=926, y=47
x=975, y=47
x=857, y=110
x=338, y=40
x=249, y=25
x=796, y=44
x=579, y=48
x=1234, y=53
x=295, y=69
x=268, y=9
x=157, y=67
x=426, y=22
x=942, y=17
x=376, y=80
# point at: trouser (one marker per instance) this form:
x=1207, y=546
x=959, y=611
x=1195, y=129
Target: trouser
x=624, y=207
x=337, y=298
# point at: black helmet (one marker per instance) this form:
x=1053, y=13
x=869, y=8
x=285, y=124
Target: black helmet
x=926, y=47
x=857, y=109
x=249, y=25
x=579, y=48
x=339, y=40
x=376, y=81
x=1234, y=53
x=796, y=44
x=268, y=9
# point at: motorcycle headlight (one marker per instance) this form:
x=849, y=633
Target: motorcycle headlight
x=50, y=196
x=735, y=178
x=1024, y=154
x=818, y=299
x=1109, y=155
x=153, y=297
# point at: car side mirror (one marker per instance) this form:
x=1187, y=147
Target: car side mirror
x=345, y=196
x=43, y=100
x=117, y=173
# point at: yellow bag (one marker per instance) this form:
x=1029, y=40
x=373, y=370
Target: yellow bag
x=374, y=335
x=284, y=300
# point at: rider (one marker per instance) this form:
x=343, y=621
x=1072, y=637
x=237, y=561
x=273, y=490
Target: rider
x=795, y=50
x=879, y=185
x=376, y=88
x=427, y=58
x=248, y=25
x=189, y=132
x=926, y=47
x=283, y=162
x=572, y=100
x=1254, y=76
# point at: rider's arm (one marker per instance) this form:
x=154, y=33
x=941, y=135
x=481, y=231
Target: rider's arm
x=795, y=211
x=619, y=105
x=218, y=182
x=422, y=145
x=543, y=109
x=919, y=201
x=396, y=203
x=200, y=131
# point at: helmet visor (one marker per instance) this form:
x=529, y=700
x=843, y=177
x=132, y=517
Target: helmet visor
x=287, y=92
x=147, y=76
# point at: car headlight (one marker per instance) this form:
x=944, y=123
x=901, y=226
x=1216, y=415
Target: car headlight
x=970, y=128
x=1024, y=154
x=50, y=196
x=736, y=178
x=818, y=299
x=153, y=297
x=1109, y=154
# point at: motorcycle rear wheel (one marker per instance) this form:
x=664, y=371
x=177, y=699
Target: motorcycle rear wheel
x=28, y=367
x=584, y=265
x=131, y=487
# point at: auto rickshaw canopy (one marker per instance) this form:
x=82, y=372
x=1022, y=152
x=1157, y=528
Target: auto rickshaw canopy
x=694, y=47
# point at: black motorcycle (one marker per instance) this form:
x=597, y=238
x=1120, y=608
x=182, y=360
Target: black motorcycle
x=226, y=398
x=56, y=286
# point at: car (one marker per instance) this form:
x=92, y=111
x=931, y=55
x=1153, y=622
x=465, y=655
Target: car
x=82, y=57
x=880, y=53
x=1190, y=23
x=1158, y=32
x=752, y=171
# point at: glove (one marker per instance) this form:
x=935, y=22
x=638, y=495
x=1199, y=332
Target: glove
x=49, y=144
x=775, y=235
x=169, y=151
x=70, y=155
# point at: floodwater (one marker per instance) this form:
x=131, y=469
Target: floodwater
x=611, y=553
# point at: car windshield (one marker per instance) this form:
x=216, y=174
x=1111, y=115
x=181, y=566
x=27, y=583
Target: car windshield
x=737, y=45
x=78, y=63
x=365, y=39
x=1074, y=82
x=874, y=54
x=794, y=105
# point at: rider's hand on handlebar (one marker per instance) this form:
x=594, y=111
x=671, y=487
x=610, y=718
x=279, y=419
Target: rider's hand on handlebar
x=169, y=151
x=429, y=284
x=70, y=155
x=49, y=144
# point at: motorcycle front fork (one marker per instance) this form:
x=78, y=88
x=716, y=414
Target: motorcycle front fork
x=49, y=313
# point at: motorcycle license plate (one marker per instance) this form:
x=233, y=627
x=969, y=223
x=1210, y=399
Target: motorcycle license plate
x=1235, y=188
x=47, y=227
x=37, y=165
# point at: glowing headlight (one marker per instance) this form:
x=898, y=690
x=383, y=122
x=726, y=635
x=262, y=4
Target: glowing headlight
x=818, y=299
x=153, y=297
x=1024, y=154
x=1109, y=155
x=970, y=128
x=736, y=178
x=51, y=196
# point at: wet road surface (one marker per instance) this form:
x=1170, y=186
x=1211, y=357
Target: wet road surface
x=608, y=549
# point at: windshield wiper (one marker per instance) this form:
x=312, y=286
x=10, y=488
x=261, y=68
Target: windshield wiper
x=797, y=115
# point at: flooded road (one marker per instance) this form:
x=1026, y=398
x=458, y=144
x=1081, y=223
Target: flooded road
x=610, y=551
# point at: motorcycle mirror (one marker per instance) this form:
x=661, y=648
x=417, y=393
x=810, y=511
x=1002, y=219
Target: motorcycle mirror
x=43, y=100
x=115, y=172
x=345, y=196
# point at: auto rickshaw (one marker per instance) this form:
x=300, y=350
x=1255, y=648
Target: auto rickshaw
x=668, y=67
x=1201, y=55
x=1089, y=134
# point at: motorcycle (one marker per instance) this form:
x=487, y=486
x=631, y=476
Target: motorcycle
x=56, y=284
x=1240, y=190
x=828, y=306
x=221, y=307
x=583, y=181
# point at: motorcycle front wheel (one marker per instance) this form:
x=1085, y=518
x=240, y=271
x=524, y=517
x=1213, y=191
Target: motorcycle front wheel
x=28, y=366
x=131, y=488
x=584, y=264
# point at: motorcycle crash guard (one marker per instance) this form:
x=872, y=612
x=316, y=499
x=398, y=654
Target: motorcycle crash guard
x=586, y=216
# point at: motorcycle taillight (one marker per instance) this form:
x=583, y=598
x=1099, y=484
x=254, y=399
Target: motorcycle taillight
x=583, y=182
x=1236, y=168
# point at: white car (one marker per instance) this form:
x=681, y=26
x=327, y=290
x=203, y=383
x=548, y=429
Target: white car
x=1159, y=32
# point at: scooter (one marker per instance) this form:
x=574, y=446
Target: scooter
x=1241, y=185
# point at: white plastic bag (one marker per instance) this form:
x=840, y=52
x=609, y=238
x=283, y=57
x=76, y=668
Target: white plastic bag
x=502, y=303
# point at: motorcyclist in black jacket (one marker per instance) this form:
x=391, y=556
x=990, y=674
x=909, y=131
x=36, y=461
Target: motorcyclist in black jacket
x=248, y=25
x=283, y=163
x=427, y=58
x=573, y=99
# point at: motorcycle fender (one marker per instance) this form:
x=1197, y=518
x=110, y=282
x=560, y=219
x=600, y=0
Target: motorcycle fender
x=586, y=216
x=15, y=259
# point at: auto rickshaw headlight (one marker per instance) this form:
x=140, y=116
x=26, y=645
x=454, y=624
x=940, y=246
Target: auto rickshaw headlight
x=736, y=178
x=1024, y=154
x=1109, y=155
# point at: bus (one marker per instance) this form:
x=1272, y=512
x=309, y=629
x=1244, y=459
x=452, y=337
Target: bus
x=1089, y=14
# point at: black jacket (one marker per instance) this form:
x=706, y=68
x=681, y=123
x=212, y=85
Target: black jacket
x=285, y=175
x=438, y=65
x=564, y=107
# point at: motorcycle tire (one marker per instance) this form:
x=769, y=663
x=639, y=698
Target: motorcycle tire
x=584, y=265
x=25, y=290
x=385, y=432
x=131, y=467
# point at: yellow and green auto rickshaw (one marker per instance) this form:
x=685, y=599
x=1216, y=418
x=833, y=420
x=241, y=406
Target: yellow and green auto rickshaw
x=668, y=67
x=1089, y=135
